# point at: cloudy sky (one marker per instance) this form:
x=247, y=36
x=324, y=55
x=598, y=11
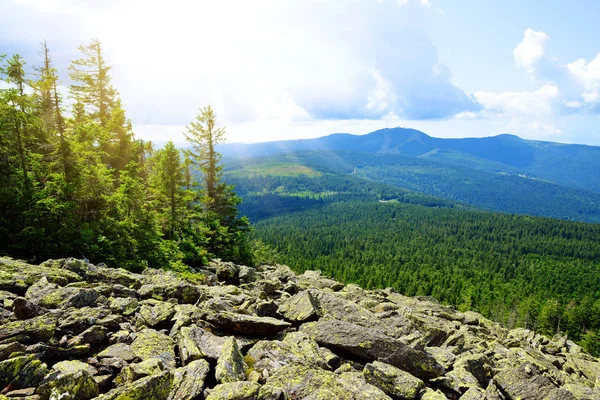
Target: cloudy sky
x=282, y=69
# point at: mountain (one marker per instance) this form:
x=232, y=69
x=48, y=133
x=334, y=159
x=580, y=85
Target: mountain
x=73, y=330
x=385, y=176
x=568, y=164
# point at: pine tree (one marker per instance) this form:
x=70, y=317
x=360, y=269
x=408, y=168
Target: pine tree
x=168, y=181
x=92, y=87
x=227, y=233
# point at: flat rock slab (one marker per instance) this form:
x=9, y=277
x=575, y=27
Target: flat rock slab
x=249, y=325
x=371, y=345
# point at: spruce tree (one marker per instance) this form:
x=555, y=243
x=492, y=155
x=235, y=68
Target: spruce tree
x=227, y=233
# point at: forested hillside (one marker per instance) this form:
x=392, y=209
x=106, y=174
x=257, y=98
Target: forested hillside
x=78, y=183
x=567, y=164
x=523, y=271
x=328, y=172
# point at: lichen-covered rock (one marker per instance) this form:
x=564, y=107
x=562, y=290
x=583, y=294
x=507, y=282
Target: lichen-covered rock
x=371, y=345
x=69, y=297
x=188, y=381
x=22, y=372
x=225, y=271
x=68, y=385
x=35, y=329
x=155, y=387
x=230, y=365
x=184, y=292
x=73, y=366
x=393, y=381
x=526, y=382
x=16, y=276
x=234, y=391
x=77, y=320
x=314, y=279
x=247, y=324
x=267, y=356
x=302, y=382
x=156, y=313
x=118, y=350
x=473, y=394
x=94, y=335
x=430, y=394
x=269, y=392
x=124, y=305
x=133, y=372
x=300, y=308
x=7, y=349
x=150, y=343
x=294, y=331
x=478, y=365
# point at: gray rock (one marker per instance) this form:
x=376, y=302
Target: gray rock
x=393, y=381
x=118, y=350
x=155, y=314
x=150, y=343
x=234, y=391
x=230, y=365
x=188, y=382
x=124, y=305
x=247, y=324
x=155, y=387
x=300, y=308
x=526, y=382
x=371, y=345
x=25, y=309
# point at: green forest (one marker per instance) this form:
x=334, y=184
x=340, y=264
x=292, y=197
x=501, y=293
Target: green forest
x=77, y=182
x=532, y=272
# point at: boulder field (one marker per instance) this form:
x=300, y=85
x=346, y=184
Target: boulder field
x=73, y=330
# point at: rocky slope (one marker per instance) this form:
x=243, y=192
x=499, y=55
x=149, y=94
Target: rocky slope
x=73, y=330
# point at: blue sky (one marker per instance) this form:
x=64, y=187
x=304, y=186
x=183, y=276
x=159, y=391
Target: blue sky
x=277, y=69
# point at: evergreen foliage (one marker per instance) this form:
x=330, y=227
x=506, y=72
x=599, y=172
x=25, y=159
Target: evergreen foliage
x=537, y=273
x=83, y=186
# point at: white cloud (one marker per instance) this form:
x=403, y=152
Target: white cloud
x=539, y=102
x=588, y=76
x=530, y=50
x=291, y=60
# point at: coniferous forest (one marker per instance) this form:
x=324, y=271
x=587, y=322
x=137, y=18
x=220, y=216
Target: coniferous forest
x=75, y=181
x=537, y=273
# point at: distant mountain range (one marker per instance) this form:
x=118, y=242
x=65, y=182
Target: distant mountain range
x=572, y=165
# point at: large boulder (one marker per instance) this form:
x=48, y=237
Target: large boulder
x=68, y=384
x=234, y=391
x=188, y=381
x=37, y=329
x=150, y=343
x=22, y=372
x=231, y=366
x=267, y=356
x=156, y=313
x=393, y=381
x=155, y=387
x=303, y=382
x=301, y=307
x=526, y=382
x=370, y=345
x=248, y=325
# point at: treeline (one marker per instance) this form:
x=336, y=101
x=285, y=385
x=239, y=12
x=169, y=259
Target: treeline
x=80, y=184
x=537, y=273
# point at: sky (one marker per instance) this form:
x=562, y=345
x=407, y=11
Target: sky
x=287, y=69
